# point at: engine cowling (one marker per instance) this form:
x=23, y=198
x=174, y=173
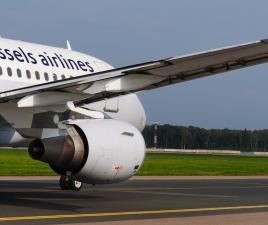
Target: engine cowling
x=95, y=151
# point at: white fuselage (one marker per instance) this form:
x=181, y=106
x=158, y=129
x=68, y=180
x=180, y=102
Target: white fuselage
x=33, y=59
x=24, y=64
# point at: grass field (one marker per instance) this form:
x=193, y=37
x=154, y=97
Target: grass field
x=17, y=162
x=203, y=165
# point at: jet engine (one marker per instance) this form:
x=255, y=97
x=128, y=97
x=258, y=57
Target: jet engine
x=93, y=151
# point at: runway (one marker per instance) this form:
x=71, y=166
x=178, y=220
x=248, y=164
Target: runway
x=141, y=200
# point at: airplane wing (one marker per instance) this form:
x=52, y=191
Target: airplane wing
x=107, y=84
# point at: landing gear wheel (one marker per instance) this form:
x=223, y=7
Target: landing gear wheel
x=63, y=183
x=76, y=185
x=66, y=183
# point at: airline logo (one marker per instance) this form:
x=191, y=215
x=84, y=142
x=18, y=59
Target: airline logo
x=54, y=60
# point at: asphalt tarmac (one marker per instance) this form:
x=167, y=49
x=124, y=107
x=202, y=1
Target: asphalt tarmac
x=138, y=201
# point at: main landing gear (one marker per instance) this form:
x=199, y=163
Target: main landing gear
x=67, y=183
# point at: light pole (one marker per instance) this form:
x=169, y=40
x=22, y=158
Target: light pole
x=155, y=125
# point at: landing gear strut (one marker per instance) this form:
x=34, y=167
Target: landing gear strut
x=67, y=183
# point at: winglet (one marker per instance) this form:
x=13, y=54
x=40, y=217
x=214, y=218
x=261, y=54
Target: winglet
x=69, y=47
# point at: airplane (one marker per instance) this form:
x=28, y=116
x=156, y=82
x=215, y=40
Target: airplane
x=81, y=116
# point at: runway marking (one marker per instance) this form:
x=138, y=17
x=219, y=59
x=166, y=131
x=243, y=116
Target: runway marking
x=149, y=212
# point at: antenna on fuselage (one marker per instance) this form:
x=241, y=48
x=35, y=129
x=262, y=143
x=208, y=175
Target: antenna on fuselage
x=69, y=47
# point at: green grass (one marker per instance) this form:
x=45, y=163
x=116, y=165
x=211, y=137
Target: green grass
x=209, y=165
x=17, y=162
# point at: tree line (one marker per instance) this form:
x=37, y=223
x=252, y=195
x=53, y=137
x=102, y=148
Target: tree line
x=181, y=137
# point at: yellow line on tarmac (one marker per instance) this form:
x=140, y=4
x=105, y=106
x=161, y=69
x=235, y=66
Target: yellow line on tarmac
x=106, y=214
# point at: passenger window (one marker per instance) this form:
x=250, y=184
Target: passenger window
x=55, y=77
x=46, y=76
x=28, y=74
x=1, y=71
x=63, y=77
x=9, y=71
x=19, y=73
x=37, y=75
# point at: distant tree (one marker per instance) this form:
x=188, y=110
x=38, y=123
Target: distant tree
x=170, y=136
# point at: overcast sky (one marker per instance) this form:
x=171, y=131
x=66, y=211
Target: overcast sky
x=125, y=32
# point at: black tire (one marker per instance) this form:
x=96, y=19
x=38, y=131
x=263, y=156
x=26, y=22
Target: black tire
x=63, y=183
x=66, y=183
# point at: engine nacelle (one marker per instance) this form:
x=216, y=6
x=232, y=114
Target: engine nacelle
x=95, y=151
x=116, y=151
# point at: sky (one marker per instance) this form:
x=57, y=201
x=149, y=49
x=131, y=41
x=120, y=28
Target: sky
x=125, y=32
